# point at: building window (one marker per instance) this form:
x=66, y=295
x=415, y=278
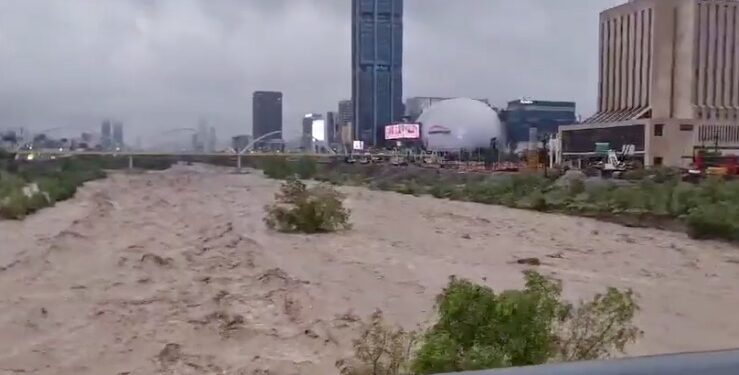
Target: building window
x=686, y=127
x=659, y=130
x=657, y=161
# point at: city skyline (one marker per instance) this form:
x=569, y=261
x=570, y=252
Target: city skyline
x=166, y=64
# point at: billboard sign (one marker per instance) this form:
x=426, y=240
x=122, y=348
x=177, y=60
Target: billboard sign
x=402, y=131
x=358, y=145
x=318, y=129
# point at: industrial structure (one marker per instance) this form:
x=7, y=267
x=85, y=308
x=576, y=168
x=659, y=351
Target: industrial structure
x=377, y=64
x=267, y=115
x=669, y=82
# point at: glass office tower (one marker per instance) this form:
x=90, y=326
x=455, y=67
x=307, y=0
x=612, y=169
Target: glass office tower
x=377, y=64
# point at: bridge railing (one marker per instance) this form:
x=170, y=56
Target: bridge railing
x=724, y=362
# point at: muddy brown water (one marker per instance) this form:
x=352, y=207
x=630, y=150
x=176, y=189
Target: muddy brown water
x=174, y=272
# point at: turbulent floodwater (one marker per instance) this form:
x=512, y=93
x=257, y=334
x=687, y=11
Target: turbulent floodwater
x=174, y=272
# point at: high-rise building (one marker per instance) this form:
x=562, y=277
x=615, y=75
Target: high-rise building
x=106, y=139
x=669, y=81
x=346, y=112
x=267, y=115
x=212, y=140
x=307, y=130
x=332, y=127
x=118, y=135
x=377, y=64
x=344, y=121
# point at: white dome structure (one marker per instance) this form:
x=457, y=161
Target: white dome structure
x=460, y=123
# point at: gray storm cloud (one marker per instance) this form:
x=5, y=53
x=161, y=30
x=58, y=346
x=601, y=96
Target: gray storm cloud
x=159, y=64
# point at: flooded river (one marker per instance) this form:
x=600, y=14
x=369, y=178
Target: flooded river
x=174, y=272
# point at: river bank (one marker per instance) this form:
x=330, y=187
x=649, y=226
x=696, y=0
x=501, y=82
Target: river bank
x=656, y=198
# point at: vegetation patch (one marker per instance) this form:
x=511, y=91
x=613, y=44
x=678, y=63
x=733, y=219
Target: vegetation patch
x=28, y=186
x=298, y=208
x=652, y=197
x=281, y=168
x=477, y=328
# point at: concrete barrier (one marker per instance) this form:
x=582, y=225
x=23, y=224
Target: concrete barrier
x=724, y=362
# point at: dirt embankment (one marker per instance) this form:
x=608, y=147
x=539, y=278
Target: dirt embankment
x=175, y=273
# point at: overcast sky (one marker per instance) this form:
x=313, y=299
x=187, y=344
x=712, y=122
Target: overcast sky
x=159, y=64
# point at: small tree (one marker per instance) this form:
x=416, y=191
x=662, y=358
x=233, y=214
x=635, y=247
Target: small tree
x=478, y=329
x=308, y=210
x=597, y=328
x=381, y=349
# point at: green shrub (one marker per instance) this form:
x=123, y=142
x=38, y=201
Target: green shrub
x=13, y=206
x=10, y=183
x=276, y=167
x=442, y=190
x=36, y=202
x=717, y=220
x=306, y=167
x=478, y=329
x=409, y=187
x=307, y=210
x=576, y=186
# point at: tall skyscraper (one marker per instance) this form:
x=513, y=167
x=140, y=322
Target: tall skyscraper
x=105, y=135
x=377, y=64
x=117, y=134
x=267, y=114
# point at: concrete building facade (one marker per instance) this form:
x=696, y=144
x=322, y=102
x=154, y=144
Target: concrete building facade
x=671, y=69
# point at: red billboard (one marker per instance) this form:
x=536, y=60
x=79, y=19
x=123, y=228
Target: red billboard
x=402, y=131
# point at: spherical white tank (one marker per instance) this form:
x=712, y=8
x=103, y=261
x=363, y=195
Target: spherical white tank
x=460, y=123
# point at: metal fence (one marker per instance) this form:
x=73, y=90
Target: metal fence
x=724, y=362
